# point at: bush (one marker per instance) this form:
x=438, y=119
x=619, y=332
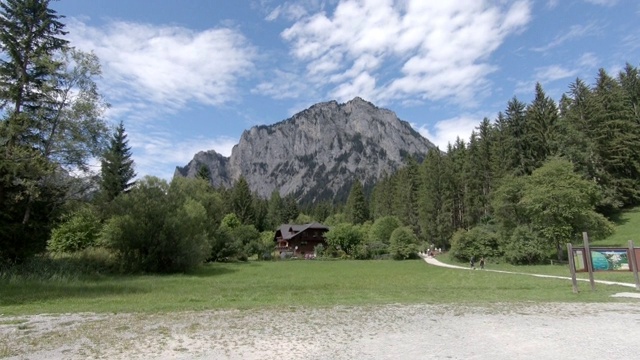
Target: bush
x=78, y=231
x=158, y=229
x=404, y=244
x=345, y=237
x=380, y=231
x=524, y=247
x=480, y=241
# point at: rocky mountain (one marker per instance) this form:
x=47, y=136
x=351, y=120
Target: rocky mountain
x=317, y=153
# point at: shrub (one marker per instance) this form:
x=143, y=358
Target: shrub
x=78, y=231
x=524, y=247
x=344, y=236
x=480, y=241
x=404, y=244
x=380, y=231
x=158, y=230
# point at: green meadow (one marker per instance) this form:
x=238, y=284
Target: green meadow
x=283, y=284
x=314, y=283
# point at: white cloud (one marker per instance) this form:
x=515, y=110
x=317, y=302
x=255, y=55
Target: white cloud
x=545, y=75
x=167, y=65
x=435, y=49
x=448, y=130
x=603, y=2
x=575, y=32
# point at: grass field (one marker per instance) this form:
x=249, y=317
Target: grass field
x=284, y=284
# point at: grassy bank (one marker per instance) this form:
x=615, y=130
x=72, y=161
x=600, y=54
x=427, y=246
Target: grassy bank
x=283, y=284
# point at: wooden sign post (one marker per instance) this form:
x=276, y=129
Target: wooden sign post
x=572, y=268
x=589, y=262
x=633, y=263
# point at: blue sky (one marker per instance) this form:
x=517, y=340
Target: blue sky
x=192, y=75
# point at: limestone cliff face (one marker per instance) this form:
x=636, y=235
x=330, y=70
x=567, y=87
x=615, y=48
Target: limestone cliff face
x=317, y=153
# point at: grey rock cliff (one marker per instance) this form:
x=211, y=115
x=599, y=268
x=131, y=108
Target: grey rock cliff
x=317, y=153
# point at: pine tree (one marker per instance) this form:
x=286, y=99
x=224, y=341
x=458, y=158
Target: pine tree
x=30, y=37
x=617, y=135
x=117, y=166
x=406, y=194
x=432, y=198
x=275, y=210
x=542, y=129
x=516, y=135
x=357, y=209
x=242, y=202
x=204, y=173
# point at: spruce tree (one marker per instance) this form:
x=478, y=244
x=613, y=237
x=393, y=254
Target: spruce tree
x=542, y=129
x=242, y=202
x=117, y=166
x=357, y=209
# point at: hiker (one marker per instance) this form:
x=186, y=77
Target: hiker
x=482, y=263
x=472, y=262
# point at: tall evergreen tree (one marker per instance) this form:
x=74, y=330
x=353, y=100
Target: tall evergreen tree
x=33, y=102
x=117, y=166
x=357, y=209
x=242, y=202
x=275, y=216
x=516, y=129
x=617, y=135
x=290, y=208
x=382, y=197
x=407, y=194
x=542, y=129
x=431, y=205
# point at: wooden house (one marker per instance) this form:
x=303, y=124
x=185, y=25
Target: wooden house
x=299, y=240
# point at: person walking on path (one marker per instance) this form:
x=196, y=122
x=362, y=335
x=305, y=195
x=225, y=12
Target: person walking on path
x=482, y=263
x=472, y=262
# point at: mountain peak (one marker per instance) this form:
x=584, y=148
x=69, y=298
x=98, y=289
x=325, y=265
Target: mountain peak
x=318, y=153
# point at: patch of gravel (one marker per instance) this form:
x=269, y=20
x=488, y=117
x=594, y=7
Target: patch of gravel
x=498, y=331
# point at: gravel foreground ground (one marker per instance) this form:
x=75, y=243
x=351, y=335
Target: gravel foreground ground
x=497, y=331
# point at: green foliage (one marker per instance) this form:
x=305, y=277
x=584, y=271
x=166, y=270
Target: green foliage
x=404, y=244
x=525, y=247
x=345, y=237
x=230, y=221
x=242, y=202
x=335, y=219
x=50, y=123
x=381, y=230
x=319, y=250
x=157, y=229
x=480, y=241
x=357, y=209
x=302, y=219
x=77, y=231
x=560, y=205
x=117, y=166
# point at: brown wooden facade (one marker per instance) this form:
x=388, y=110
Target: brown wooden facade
x=299, y=240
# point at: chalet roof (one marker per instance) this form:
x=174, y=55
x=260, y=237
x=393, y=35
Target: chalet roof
x=289, y=231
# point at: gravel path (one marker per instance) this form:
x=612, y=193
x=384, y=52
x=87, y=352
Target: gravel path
x=499, y=331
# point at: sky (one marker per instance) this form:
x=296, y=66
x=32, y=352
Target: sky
x=191, y=75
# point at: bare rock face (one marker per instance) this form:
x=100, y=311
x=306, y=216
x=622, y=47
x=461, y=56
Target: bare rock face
x=318, y=153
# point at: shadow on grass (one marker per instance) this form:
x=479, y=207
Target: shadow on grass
x=23, y=293
x=45, y=279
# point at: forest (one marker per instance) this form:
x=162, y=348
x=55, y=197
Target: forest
x=522, y=186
